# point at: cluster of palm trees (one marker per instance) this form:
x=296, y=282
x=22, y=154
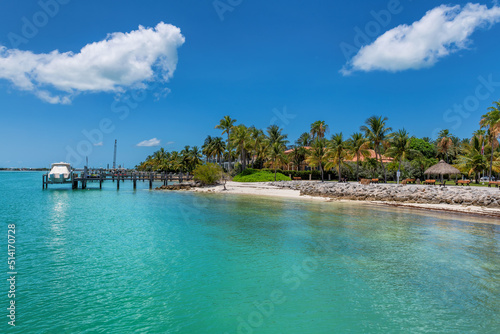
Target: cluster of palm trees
x=163, y=161
x=258, y=148
x=473, y=154
x=338, y=152
x=248, y=144
x=491, y=122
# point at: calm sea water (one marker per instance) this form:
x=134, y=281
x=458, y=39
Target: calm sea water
x=107, y=261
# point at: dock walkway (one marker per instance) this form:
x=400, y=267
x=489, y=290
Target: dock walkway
x=90, y=176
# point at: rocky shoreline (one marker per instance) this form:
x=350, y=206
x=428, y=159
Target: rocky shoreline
x=420, y=194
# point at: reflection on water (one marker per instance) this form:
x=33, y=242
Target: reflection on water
x=58, y=221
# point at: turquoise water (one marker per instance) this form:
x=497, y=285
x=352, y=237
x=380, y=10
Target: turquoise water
x=107, y=261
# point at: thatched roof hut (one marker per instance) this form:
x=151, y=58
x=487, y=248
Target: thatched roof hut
x=442, y=168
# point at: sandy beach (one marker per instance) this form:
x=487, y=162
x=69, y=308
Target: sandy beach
x=255, y=188
x=265, y=189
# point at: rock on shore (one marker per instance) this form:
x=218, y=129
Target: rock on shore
x=180, y=186
x=458, y=195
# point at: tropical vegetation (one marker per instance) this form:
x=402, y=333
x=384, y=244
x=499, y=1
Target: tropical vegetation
x=376, y=151
x=208, y=174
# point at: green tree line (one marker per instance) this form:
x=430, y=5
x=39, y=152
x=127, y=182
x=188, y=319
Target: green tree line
x=346, y=157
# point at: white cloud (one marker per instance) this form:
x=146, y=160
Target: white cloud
x=121, y=61
x=442, y=31
x=99, y=144
x=149, y=143
x=170, y=143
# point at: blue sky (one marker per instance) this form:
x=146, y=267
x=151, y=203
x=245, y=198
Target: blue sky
x=426, y=65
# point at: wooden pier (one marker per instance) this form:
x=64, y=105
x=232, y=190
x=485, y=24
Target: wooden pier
x=86, y=176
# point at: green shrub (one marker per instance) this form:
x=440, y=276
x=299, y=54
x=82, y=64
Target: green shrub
x=248, y=171
x=254, y=175
x=207, y=174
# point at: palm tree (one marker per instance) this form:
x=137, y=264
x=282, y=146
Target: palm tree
x=359, y=147
x=318, y=155
x=277, y=157
x=401, y=146
x=162, y=165
x=185, y=159
x=456, y=147
x=304, y=140
x=158, y=159
x=479, y=133
x=274, y=136
x=258, y=144
x=318, y=129
x=175, y=161
x=146, y=165
x=299, y=149
x=207, y=148
x=444, y=142
x=218, y=146
x=159, y=155
x=371, y=164
x=378, y=134
x=338, y=153
x=297, y=155
x=241, y=140
x=230, y=153
x=472, y=161
x=194, y=157
x=491, y=120
x=427, y=139
x=226, y=124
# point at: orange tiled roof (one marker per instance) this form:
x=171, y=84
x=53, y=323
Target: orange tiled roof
x=292, y=149
x=372, y=155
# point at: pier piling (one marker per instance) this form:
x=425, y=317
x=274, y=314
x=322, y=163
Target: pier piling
x=85, y=176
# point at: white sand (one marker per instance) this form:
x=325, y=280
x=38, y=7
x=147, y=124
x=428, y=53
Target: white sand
x=254, y=188
x=263, y=189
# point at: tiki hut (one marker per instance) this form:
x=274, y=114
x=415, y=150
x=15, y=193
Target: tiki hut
x=441, y=168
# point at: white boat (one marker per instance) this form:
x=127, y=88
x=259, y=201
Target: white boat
x=60, y=173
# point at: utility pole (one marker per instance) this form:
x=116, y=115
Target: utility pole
x=114, y=157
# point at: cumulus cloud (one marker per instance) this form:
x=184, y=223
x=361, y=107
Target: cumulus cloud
x=99, y=144
x=149, y=143
x=119, y=62
x=442, y=31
